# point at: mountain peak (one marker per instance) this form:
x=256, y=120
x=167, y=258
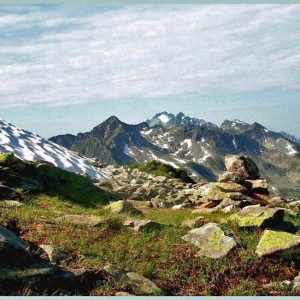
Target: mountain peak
x=168, y=119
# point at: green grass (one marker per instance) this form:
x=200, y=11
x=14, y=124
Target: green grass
x=159, y=255
x=160, y=169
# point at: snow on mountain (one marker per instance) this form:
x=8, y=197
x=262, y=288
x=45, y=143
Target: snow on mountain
x=31, y=147
x=164, y=118
x=168, y=119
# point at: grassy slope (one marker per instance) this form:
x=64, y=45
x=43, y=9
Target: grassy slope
x=161, y=256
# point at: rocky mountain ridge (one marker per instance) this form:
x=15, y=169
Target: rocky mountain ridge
x=193, y=145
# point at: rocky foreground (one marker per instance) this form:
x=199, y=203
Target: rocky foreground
x=157, y=236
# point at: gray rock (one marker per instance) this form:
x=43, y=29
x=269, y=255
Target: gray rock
x=258, y=185
x=143, y=285
x=142, y=225
x=9, y=240
x=231, y=177
x=211, y=240
x=194, y=223
x=54, y=254
x=241, y=165
x=123, y=207
x=278, y=243
x=37, y=272
x=296, y=282
x=257, y=216
x=85, y=220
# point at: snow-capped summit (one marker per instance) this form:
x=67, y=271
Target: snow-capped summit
x=168, y=119
x=32, y=147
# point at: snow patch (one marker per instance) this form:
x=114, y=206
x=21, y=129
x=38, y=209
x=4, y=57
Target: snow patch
x=29, y=146
x=188, y=142
x=291, y=150
x=164, y=118
x=147, y=132
x=127, y=150
x=153, y=156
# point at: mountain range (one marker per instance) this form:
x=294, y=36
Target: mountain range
x=192, y=144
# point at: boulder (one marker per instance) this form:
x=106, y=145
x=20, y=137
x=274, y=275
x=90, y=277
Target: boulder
x=231, y=187
x=139, y=283
x=211, y=240
x=296, y=282
x=278, y=243
x=217, y=191
x=27, y=274
x=54, y=254
x=9, y=240
x=260, y=199
x=142, y=225
x=85, y=220
x=231, y=177
x=143, y=285
x=194, y=223
x=242, y=165
x=278, y=201
x=257, y=216
x=258, y=185
x=230, y=209
x=123, y=207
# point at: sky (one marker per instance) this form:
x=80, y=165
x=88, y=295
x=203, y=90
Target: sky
x=67, y=68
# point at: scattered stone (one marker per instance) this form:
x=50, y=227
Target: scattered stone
x=54, y=254
x=278, y=243
x=142, y=225
x=211, y=240
x=194, y=223
x=123, y=207
x=296, y=282
x=115, y=272
x=278, y=284
x=257, y=216
x=230, y=209
x=86, y=220
x=143, y=285
x=178, y=207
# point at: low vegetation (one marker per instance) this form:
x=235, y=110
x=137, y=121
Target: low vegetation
x=161, y=255
x=160, y=169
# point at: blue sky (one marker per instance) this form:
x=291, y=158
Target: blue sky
x=67, y=68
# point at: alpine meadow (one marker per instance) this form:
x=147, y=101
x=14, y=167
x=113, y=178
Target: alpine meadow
x=149, y=150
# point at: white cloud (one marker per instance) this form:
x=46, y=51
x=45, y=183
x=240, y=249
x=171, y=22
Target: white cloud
x=57, y=58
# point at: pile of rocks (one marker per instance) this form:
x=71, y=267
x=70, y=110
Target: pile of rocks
x=240, y=186
x=160, y=191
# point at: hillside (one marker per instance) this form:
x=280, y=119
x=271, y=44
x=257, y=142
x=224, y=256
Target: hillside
x=142, y=233
x=193, y=144
x=31, y=147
